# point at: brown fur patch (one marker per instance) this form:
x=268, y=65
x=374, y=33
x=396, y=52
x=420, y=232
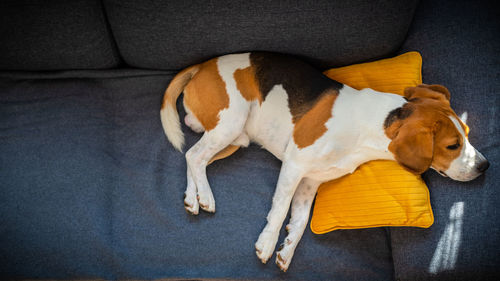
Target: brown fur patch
x=247, y=85
x=205, y=95
x=311, y=125
x=437, y=92
x=413, y=147
x=178, y=84
x=437, y=88
x=299, y=110
x=421, y=139
x=446, y=134
x=226, y=152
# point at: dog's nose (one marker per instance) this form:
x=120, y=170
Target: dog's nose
x=483, y=166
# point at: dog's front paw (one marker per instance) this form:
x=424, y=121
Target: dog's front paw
x=284, y=255
x=265, y=245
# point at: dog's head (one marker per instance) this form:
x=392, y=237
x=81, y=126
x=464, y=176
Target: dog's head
x=427, y=133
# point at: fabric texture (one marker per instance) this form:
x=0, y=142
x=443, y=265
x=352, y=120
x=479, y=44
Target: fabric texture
x=459, y=44
x=175, y=34
x=391, y=75
x=55, y=35
x=377, y=194
x=91, y=188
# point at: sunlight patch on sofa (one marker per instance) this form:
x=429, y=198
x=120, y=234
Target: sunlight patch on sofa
x=446, y=254
x=464, y=117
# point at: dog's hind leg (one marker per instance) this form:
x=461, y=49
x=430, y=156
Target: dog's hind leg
x=301, y=207
x=190, y=201
x=229, y=128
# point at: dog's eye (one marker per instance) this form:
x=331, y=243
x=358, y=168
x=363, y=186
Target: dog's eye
x=453, y=147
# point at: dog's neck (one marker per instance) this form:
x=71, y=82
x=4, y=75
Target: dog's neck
x=355, y=134
x=367, y=111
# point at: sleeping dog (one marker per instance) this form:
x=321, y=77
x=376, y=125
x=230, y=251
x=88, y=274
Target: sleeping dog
x=320, y=129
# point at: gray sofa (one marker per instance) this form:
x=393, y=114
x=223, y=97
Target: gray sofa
x=90, y=187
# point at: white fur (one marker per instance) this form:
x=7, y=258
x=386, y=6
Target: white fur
x=229, y=130
x=301, y=207
x=242, y=140
x=172, y=127
x=270, y=123
x=355, y=134
x=463, y=168
x=288, y=181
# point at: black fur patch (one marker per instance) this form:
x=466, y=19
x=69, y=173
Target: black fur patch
x=399, y=113
x=303, y=83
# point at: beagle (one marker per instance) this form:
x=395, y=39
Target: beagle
x=319, y=128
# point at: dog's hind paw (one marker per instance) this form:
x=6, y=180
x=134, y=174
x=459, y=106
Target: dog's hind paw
x=191, y=205
x=206, y=201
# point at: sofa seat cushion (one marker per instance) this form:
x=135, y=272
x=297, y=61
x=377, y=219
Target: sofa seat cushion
x=91, y=188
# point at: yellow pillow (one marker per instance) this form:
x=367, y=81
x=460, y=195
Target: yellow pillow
x=378, y=193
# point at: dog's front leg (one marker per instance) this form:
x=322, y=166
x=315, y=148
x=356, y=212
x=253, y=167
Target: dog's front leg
x=301, y=207
x=289, y=178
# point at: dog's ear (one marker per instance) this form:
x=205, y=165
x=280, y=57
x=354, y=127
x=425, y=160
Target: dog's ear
x=427, y=91
x=413, y=147
x=437, y=88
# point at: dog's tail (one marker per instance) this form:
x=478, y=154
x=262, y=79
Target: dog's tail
x=168, y=113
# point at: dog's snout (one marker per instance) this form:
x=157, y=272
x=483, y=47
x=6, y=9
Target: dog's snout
x=483, y=166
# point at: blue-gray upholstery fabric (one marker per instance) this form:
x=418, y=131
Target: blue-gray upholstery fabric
x=460, y=44
x=92, y=189
x=55, y=35
x=174, y=34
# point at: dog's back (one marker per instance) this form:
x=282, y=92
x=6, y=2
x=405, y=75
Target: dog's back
x=272, y=91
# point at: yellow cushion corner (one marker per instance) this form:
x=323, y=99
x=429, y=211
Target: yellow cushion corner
x=378, y=193
x=391, y=75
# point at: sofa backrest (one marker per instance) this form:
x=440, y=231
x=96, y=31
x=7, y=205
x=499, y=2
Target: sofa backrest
x=55, y=35
x=168, y=34
x=173, y=34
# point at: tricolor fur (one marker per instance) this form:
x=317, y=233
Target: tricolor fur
x=319, y=128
